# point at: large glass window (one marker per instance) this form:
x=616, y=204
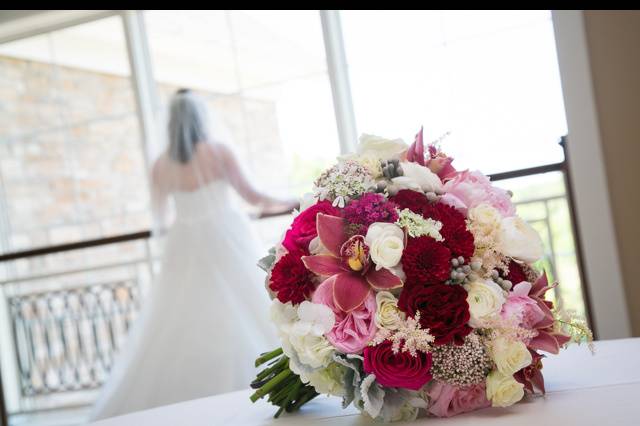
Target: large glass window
x=264, y=74
x=490, y=78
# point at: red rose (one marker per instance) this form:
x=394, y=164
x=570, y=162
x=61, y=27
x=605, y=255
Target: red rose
x=454, y=230
x=303, y=228
x=401, y=370
x=443, y=310
x=291, y=280
x=425, y=261
x=412, y=200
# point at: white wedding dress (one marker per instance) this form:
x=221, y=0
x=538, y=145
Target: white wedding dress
x=206, y=318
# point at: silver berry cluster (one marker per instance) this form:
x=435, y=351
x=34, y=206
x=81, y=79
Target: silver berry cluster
x=391, y=168
x=461, y=272
x=505, y=284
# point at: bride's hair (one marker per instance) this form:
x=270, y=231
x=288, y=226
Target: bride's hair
x=187, y=125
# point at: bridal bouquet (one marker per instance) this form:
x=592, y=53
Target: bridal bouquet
x=407, y=287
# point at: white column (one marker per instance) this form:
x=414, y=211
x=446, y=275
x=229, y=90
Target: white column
x=339, y=78
x=147, y=101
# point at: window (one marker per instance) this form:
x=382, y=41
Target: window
x=264, y=73
x=490, y=78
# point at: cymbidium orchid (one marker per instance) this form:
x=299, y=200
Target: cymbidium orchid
x=548, y=338
x=348, y=264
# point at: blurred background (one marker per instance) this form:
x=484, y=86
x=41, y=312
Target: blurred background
x=82, y=99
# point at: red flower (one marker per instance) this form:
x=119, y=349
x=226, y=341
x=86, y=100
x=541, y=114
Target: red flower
x=290, y=279
x=443, y=310
x=303, y=228
x=516, y=274
x=531, y=376
x=401, y=370
x=412, y=200
x=425, y=261
x=454, y=230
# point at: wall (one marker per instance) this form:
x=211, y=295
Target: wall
x=613, y=39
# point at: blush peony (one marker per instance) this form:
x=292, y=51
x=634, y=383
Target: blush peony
x=469, y=189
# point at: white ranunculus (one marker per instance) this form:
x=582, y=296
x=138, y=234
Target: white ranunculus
x=417, y=178
x=510, y=356
x=386, y=242
x=485, y=299
x=503, y=391
x=485, y=219
x=381, y=148
x=387, y=313
x=519, y=240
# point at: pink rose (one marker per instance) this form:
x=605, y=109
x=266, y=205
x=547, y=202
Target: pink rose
x=469, y=189
x=400, y=370
x=520, y=306
x=352, y=330
x=448, y=400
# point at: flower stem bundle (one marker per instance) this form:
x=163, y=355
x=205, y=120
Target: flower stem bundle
x=282, y=386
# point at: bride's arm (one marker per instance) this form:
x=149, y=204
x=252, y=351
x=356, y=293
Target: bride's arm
x=159, y=200
x=266, y=203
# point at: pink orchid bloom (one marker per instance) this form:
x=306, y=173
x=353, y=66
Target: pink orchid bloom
x=531, y=376
x=548, y=339
x=438, y=162
x=347, y=264
x=416, y=150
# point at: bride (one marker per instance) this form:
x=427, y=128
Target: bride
x=205, y=319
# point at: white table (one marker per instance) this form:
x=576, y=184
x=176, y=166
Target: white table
x=582, y=389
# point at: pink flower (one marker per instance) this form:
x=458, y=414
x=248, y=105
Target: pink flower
x=520, y=306
x=303, y=229
x=352, y=330
x=548, y=339
x=448, y=400
x=348, y=264
x=469, y=189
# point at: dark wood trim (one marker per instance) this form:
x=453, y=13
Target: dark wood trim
x=78, y=245
x=554, y=167
x=41, y=251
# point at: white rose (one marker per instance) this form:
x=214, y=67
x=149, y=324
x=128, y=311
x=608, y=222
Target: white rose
x=379, y=147
x=485, y=299
x=485, y=219
x=519, y=240
x=502, y=390
x=386, y=242
x=371, y=162
x=417, y=178
x=387, y=313
x=510, y=356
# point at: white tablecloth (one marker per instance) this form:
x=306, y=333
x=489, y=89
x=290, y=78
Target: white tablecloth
x=582, y=389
